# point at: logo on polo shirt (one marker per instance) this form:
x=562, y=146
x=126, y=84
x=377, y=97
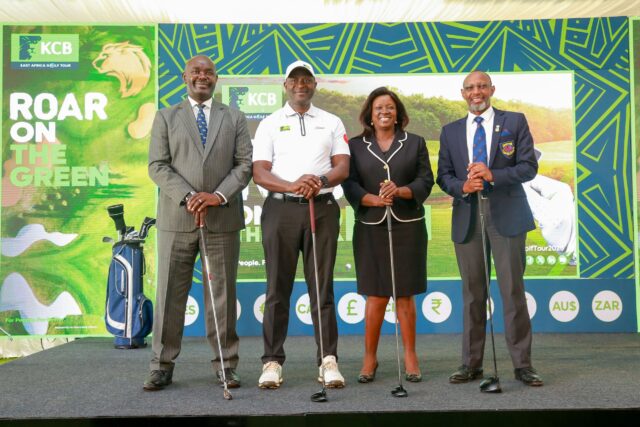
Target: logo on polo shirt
x=285, y=128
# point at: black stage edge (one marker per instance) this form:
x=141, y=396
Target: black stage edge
x=590, y=379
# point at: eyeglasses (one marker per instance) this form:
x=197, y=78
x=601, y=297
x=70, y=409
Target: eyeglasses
x=300, y=80
x=470, y=88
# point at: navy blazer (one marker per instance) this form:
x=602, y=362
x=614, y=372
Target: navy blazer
x=407, y=165
x=512, y=161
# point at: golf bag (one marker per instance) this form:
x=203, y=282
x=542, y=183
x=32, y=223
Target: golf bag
x=128, y=313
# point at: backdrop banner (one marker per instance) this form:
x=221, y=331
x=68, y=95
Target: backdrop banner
x=77, y=108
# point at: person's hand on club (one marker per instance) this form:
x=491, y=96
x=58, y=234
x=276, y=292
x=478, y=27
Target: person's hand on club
x=473, y=185
x=199, y=202
x=307, y=186
x=388, y=190
x=479, y=170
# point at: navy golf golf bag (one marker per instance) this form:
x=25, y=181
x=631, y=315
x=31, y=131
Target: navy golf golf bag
x=128, y=313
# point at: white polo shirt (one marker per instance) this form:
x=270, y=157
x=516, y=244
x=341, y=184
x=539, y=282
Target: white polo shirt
x=298, y=144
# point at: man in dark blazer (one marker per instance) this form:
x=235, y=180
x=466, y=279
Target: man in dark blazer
x=484, y=159
x=200, y=159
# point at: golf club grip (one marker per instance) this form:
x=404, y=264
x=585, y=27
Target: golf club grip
x=312, y=215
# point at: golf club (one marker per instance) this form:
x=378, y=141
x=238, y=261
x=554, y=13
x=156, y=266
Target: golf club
x=399, y=391
x=206, y=273
x=116, y=212
x=6, y=333
x=146, y=225
x=491, y=384
x=320, y=396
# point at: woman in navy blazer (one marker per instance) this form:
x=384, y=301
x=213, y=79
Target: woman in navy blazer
x=389, y=167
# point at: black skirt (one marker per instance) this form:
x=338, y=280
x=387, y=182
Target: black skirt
x=373, y=265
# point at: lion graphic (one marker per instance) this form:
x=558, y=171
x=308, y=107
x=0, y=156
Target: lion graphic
x=128, y=63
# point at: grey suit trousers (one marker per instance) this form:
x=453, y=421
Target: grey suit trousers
x=509, y=257
x=174, y=282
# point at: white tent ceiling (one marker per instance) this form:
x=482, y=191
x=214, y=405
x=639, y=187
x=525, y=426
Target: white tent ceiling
x=304, y=11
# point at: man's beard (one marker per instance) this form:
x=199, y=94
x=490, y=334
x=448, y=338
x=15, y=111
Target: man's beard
x=478, y=108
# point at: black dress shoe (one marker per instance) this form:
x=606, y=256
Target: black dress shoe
x=413, y=378
x=368, y=378
x=157, y=380
x=464, y=374
x=529, y=376
x=233, y=379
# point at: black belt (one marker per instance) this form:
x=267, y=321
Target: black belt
x=299, y=199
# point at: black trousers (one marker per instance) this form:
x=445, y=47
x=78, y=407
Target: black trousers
x=286, y=231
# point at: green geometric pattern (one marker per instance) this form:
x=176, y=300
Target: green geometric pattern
x=597, y=50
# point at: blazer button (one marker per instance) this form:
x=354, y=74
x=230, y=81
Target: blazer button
x=385, y=167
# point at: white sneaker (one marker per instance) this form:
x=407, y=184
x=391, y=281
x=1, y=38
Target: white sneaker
x=332, y=376
x=271, y=375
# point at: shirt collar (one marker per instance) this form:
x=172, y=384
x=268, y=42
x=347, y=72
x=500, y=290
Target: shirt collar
x=207, y=103
x=487, y=115
x=288, y=111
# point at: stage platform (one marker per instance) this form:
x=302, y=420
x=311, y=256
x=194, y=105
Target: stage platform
x=589, y=379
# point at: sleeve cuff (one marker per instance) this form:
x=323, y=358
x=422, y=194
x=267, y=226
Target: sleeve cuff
x=224, y=199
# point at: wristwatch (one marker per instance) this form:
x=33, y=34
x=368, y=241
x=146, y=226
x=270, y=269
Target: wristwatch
x=324, y=180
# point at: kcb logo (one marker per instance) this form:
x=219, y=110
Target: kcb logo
x=262, y=99
x=45, y=50
x=607, y=306
x=564, y=306
x=303, y=309
x=351, y=308
x=253, y=99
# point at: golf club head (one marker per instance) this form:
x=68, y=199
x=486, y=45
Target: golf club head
x=227, y=395
x=146, y=225
x=116, y=212
x=399, y=392
x=106, y=239
x=491, y=385
x=320, y=396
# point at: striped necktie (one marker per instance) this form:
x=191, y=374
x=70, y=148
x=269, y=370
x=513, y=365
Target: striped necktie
x=201, y=121
x=480, y=143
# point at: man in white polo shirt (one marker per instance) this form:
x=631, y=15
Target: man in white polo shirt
x=300, y=152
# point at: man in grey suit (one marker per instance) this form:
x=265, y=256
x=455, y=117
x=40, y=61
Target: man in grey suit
x=200, y=159
x=484, y=159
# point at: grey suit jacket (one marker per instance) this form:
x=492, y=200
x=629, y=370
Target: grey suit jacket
x=178, y=164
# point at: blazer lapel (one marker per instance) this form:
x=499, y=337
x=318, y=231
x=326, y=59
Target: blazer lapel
x=498, y=127
x=461, y=141
x=215, y=121
x=189, y=121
